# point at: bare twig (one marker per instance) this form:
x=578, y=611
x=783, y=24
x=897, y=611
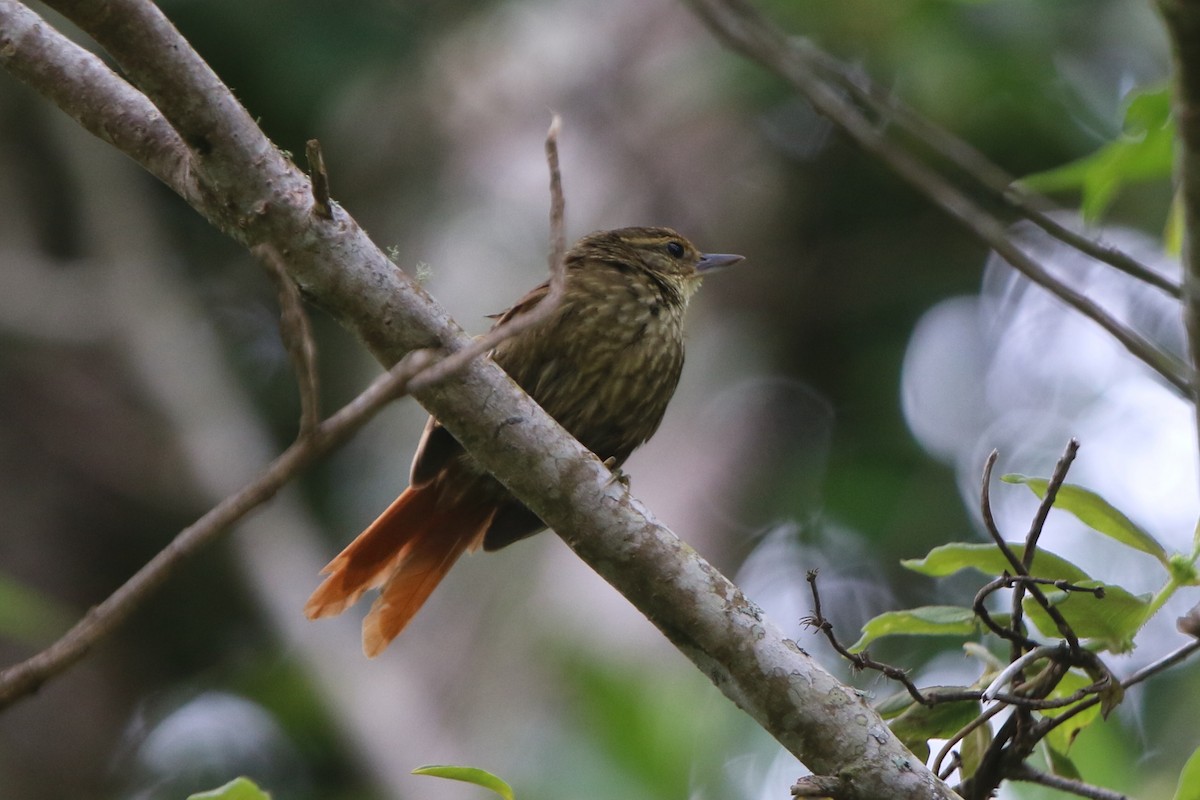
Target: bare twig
x=558, y=279
x=963, y=733
x=954, y=762
x=744, y=29
x=857, y=660
x=296, y=332
x=1024, y=772
x=1056, y=481
x=1020, y=642
x=320, y=179
x=1016, y=635
x=1043, y=704
x=314, y=440
x=26, y=677
x=1166, y=662
x=1021, y=565
x=989, y=521
x=1009, y=581
x=1057, y=478
x=558, y=227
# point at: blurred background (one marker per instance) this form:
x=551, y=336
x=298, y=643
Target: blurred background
x=843, y=388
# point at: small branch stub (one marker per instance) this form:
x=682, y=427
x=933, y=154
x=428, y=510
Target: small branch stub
x=818, y=786
x=320, y=179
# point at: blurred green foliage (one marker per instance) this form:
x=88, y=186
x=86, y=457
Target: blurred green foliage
x=236, y=789
x=1104, y=620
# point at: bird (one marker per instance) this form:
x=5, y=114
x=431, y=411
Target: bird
x=604, y=364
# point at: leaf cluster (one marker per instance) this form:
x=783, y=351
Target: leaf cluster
x=1060, y=625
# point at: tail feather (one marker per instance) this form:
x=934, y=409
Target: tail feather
x=407, y=550
x=426, y=561
x=368, y=561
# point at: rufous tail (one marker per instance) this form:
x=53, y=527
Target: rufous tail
x=407, y=551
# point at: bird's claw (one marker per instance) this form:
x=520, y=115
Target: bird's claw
x=618, y=475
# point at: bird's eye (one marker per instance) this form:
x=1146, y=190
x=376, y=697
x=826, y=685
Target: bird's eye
x=675, y=249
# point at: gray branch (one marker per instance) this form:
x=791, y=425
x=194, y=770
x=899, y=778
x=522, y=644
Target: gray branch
x=237, y=179
x=739, y=25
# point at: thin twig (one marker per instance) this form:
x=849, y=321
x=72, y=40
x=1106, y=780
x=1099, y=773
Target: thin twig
x=320, y=179
x=558, y=279
x=1031, y=538
x=1148, y=671
x=1024, y=772
x=296, y=332
x=558, y=204
x=961, y=734
x=955, y=762
x=1019, y=641
x=740, y=25
x=419, y=367
x=989, y=521
x=1007, y=582
x=27, y=676
x=857, y=660
x=976, y=165
x=1057, y=479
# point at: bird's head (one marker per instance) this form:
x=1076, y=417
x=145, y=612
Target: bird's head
x=661, y=252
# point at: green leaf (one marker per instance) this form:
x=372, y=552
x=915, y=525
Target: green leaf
x=1098, y=514
x=1149, y=110
x=1143, y=151
x=916, y=726
x=236, y=789
x=1062, y=765
x=1059, y=739
x=923, y=621
x=1189, y=779
x=950, y=558
x=473, y=775
x=972, y=749
x=1111, y=620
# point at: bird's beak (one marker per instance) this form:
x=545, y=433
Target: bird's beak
x=711, y=262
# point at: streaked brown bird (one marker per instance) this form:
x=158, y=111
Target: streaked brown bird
x=604, y=365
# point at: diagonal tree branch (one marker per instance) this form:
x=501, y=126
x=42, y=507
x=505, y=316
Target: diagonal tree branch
x=252, y=193
x=945, y=145
x=739, y=25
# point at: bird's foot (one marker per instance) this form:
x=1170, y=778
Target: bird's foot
x=618, y=474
